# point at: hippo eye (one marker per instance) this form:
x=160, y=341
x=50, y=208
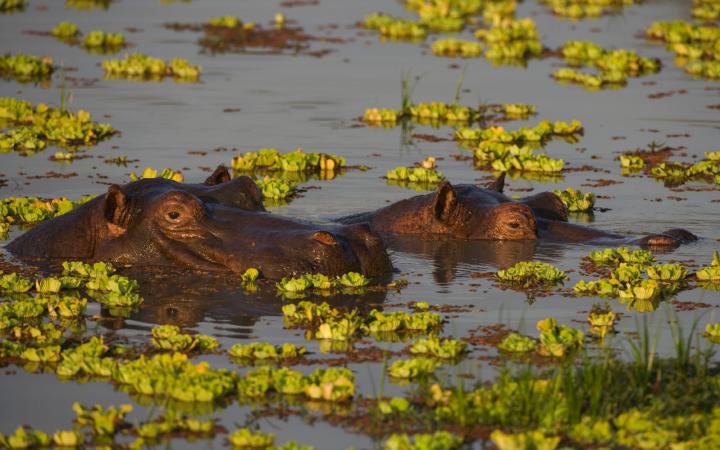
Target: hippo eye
x=514, y=225
x=173, y=215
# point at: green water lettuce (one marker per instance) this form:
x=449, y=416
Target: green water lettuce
x=332, y=385
x=24, y=67
x=395, y=28
x=25, y=437
x=453, y=47
x=271, y=160
x=99, y=39
x=601, y=322
x=413, y=367
x=610, y=257
x=166, y=173
x=262, y=350
x=247, y=439
x=171, y=375
x=517, y=343
x=169, y=337
x=31, y=128
x=439, y=348
x=710, y=273
x=66, y=30
x=531, y=274
x=137, y=66
x=576, y=201
x=631, y=162
x=535, y=440
x=103, y=422
x=558, y=340
x=430, y=441
x=666, y=272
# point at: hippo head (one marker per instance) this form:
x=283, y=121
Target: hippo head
x=178, y=228
x=475, y=213
x=159, y=222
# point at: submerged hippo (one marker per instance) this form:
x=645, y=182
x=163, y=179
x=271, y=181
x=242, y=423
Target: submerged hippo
x=470, y=212
x=163, y=223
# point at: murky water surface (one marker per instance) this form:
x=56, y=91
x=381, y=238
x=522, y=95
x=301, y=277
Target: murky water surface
x=289, y=101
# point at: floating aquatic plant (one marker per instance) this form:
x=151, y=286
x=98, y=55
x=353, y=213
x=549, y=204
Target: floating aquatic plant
x=166, y=173
x=695, y=46
x=137, y=66
x=517, y=343
x=25, y=67
x=413, y=367
x=439, y=348
x=262, y=350
x=631, y=162
x=97, y=39
x=534, y=439
x=34, y=127
x=453, y=47
x=169, y=337
x=66, y=30
x=350, y=280
x=576, y=201
x=532, y=273
x=610, y=257
x=272, y=160
x=429, y=441
x=558, y=340
x=712, y=272
x=395, y=28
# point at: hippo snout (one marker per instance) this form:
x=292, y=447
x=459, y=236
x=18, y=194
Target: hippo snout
x=369, y=248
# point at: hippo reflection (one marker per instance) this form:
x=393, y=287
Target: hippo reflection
x=471, y=212
x=159, y=222
x=186, y=299
x=451, y=257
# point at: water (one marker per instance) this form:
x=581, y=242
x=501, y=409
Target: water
x=289, y=101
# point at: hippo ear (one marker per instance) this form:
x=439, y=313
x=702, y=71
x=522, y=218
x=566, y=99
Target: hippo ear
x=221, y=175
x=499, y=184
x=115, y=210
x=445, y=201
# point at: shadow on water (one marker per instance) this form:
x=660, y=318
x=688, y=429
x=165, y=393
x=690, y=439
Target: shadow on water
x=187, y=299
x=449, y=257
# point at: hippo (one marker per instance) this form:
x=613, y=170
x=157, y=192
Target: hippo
x=219, y=227
x=470, y=212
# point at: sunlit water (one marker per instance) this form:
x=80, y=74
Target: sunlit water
x=301, y=101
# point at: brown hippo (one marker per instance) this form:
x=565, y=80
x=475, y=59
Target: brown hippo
x=162, y=223
x=471, y=212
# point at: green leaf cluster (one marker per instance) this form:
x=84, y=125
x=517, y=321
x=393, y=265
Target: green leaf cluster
x=576, y=201
x=532, y=273
x=264, y=350
x=423, y=441
x=448, y=348
x=453, y=47
x=413, y=367
x=26, y=67
x=99, y=39
x=166, y=173
x=137, y=66
x=32, y=128
x=169, y=337
x=395, y=28
x=696, y=47
x=271, y=160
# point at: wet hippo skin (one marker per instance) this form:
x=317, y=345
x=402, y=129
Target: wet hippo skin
x=470, y=212
x=212, y=227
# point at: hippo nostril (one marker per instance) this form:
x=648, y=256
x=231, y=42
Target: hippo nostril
x=324, y=238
